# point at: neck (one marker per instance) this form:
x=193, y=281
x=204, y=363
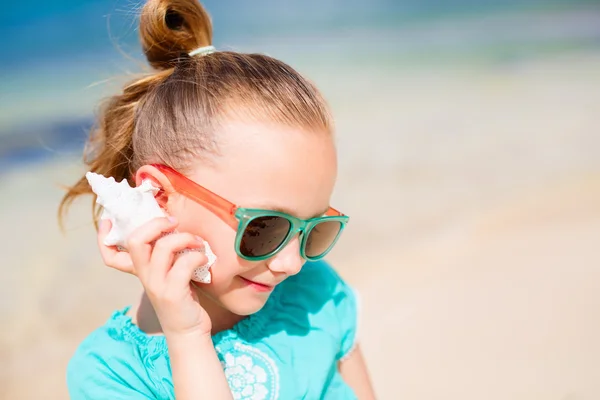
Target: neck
x=145, y=318
x=220, y=318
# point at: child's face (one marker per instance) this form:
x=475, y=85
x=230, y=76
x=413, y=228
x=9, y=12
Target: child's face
x=259, y=166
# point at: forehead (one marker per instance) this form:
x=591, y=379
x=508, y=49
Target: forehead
x=273, y=167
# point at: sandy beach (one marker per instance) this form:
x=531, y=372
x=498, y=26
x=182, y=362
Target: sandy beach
x=474, y=196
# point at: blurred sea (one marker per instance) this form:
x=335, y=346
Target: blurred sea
x=63, y=56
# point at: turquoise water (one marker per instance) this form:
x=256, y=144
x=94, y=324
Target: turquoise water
x=48, y=31
x=62, y=55
x=62, y=29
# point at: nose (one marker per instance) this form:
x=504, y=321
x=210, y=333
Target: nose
x=288, y=260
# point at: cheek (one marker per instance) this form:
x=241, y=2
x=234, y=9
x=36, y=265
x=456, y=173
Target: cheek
x=224, y=288
x=219, y=236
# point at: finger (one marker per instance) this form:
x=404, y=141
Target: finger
x=111, y=256
x=180, y=274
x=177, y=286
x=166, y=248
x=142, y=239
x=104, y=226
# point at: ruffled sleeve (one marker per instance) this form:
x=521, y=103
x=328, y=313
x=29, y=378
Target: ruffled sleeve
x=105, y=366
x=323, y=289
x=347, y=311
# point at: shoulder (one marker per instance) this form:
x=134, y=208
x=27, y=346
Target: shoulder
x=319, y=273
x=319, y=282
x=331, y=303
x=99, y=349
x=108, y=364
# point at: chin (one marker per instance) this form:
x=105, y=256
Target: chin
x=246, y=306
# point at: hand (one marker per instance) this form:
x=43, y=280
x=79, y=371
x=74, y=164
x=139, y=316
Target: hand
x=165, y=275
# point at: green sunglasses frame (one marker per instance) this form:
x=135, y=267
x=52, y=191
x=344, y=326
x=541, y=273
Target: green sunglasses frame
x=238, y=217
x=297, y=226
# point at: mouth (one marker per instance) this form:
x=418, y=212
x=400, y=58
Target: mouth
x=261, y=287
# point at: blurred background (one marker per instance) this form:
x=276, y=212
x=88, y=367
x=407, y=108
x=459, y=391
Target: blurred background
x=469, y=146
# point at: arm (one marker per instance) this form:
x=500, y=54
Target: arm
x=156, y=260
x=354, y=372
x=105, y=368
x=197, y=372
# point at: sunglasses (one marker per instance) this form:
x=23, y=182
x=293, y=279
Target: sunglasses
x=261, y=234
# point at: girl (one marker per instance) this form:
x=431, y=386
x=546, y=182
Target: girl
x=241, y=149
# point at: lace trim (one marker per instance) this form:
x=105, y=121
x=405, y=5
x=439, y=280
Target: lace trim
x=253, y=326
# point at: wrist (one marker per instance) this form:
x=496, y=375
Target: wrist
x=196, y=368
x=183, y=339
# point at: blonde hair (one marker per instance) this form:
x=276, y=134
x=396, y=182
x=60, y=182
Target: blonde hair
x=172, y=115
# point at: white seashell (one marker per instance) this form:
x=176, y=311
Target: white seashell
x=128, y=208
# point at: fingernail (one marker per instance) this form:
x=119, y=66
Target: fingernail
x=172, y=219
x=198, y=238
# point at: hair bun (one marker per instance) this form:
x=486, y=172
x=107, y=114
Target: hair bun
x=169, y=28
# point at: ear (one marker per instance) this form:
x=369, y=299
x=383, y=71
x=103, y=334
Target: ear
x=159, y=181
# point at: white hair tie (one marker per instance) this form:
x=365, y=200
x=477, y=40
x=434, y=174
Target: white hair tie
x=202, y=51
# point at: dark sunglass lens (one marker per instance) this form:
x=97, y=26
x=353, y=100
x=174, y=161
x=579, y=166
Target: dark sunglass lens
x=321, y=237
x=263, y=235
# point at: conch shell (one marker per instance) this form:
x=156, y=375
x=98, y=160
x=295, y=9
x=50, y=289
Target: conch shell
x=128, y=208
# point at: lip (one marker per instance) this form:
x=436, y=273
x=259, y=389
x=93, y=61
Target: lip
x=257, y=286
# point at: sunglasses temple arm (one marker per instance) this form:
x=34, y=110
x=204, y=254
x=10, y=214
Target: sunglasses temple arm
x=332, y=212
x=227, y=215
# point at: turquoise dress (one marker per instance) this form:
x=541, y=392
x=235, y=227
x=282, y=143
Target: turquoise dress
x=288, y=350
